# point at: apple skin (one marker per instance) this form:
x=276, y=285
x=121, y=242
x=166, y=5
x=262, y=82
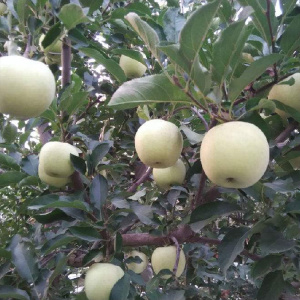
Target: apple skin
x=137, y=268
x=100, y=280
x=234, y=154
x=3, y=9
x=158, y=143
x=53, y=181
x=131, y=67
x=174, y=175
x=54, y=48
x=27, y=87
x=287, y=94
x=165, y=258
x=55, y=159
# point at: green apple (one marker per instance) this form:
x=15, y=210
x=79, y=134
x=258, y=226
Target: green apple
x=131, y=67
x=54, y=48
x=136, y=267
x=175, y=174
x=158, y=143
x=100, y=280
x=165, y=258
x=3, y=9
x=247, y=57
x=234, y=154
x=54, y=181
x=55, y=159
x=27, y=87
x=287, y=94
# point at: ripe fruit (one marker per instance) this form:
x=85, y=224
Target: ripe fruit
x=287, y=94
x=100, y=280
x=165, y=258
x=54, y=48
x=135, y=266
x=158, y=143
x=164, y=178
x=131, y=67
x=234, y=154
x=55, y=159
x=54, y=181
x=3, y=9
x=27, y=87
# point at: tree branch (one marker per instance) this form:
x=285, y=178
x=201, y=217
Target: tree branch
x=286, y=133
x=143, y=178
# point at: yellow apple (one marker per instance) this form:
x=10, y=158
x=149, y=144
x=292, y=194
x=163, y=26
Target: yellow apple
x=54, y=181
x=234, y=154
x=131, y=67
x=158, y=143
x=27, y=87
x=137, y=267
x=54, y=48
x=165, y=258
x=55, y=159
x=3, y=9
x=100, y=280
x=164, y=178
x=287, y=94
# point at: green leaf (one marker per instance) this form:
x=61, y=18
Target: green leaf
x=10, y=292
x=60, y=266
x=290, y=39
x=10, y=133
x=53, y=216
x=288, y=109
x=111, y=66
x=206, y=213
x=99, y=191
x=146, y=32
x=53, y=35
x=130, y=53
x=11, y=178
x=85, y=233
x=147, y=90
x=8, y=162
x=99, y=152
x=73, y=102
x=57, y=242
x=266, y=264
x=78, y=163
x=23, y=259
x=173, y=22
x=256, y=69
x=228, y=49
x=195, y=30
x=260, y=19
x=120, y=290
x=231, y=246
x=272, y=286
x=72, y=15
x=273, y=241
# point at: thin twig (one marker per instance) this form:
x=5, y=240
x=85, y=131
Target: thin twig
x=143, y=178
x=28, y=46
x=286, y=133
x=197, y=112
x=177, y=255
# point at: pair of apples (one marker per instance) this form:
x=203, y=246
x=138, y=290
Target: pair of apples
x=101, y=277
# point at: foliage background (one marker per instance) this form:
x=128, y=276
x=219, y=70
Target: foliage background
x=240, y=244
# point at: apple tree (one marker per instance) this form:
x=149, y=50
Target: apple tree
x=117, y=64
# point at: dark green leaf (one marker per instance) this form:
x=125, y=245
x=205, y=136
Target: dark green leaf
x=289, y=110
x=11, y=178
x=10, y=133
x=173, y=22
x=110, y=65
x=61, y=263
x=78, y=163
x=266, y=264
x=13, y=293
x=120, y=290
x=146, y=90
x=290, y=39
x=53, y=216
x=256, y=69
x=73, y=102
x=232, y=245
x=99, y=191
x=273, y=241
x=57, y=242
x=272, y=286
x=53, y=35
x=85, y=233
x=72, y=15
x=30, y=164
x=99, y=152
x=8, y=162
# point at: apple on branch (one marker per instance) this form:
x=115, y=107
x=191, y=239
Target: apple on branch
x=137, y=267
x=131, y=67
x=165, y=258
x=158, y=143
x=27, y=87
x=234, y=154
x=173, y=175
x=100, y=280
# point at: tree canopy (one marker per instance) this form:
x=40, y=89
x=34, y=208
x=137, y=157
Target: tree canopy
x=207, y=63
